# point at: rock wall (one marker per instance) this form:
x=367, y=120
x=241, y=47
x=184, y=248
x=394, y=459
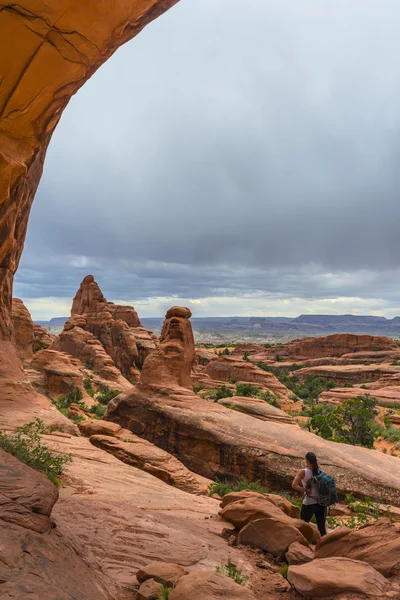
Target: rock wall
x=49, y=49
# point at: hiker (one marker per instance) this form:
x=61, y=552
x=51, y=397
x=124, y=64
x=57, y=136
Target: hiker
x=307, y=481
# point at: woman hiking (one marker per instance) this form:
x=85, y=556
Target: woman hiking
x=310, y=505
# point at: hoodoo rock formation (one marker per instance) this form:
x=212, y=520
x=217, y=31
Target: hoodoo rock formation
x=215, y=441
x=118, y=328
x=23, y=329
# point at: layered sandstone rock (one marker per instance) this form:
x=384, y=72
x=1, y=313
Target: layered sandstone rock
x=332, y=345
x=215, y=441
x=59, y=373
x=229, y=368
x=84, y=346
x=329, y=577
x=349, y=373
x=170, y=365
x=260, y=409
x=116, y=327
x=42, y=339
x=23, y=329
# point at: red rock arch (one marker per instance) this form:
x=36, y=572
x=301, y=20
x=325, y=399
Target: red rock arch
x=47, y=52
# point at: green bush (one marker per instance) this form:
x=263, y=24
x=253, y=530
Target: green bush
x=283, y=569
x=246, y=356
x=270, y=398
x=231, y=570
x=164, y=592
x=198, y=388
x=26, y=445
x=247, y=389
x=74, y=396
x=223, y=392
x=98, y=411
x=106, y=395
x=225, y=487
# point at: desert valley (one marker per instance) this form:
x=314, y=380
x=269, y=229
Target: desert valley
x=140, y=463
x=172, y=464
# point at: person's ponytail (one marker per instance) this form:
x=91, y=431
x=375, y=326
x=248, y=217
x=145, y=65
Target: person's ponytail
x=312, y=459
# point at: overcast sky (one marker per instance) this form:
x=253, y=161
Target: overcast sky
x=241, y=158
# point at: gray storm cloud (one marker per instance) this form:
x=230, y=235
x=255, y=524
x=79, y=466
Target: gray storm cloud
x=231, y=148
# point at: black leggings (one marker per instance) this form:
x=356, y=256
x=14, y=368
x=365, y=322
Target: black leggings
x=307, y=512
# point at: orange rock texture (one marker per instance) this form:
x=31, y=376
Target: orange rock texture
x=49, y=50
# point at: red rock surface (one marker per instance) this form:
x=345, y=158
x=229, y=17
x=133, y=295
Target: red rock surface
x=116, y=327
x=260, y=409
x=229, y=368
x=84, y=346
x=215, y=441
x=326, y=578
x=42, y=339
x=332, y=345
x=23, y=329
x=170, y=365
x=377, y=543
x=208, y=585
x=60, y=375
x=350, y=373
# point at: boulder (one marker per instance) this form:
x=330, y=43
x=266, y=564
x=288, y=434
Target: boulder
x=26, y=496
x=242, y=512
x=163, y=572
x=208, y=585
x=272, y=535
x=377, y=543
x=285, y=505
x=23, y=329
x=149, y=590
x=328, y=576
x=299, y=554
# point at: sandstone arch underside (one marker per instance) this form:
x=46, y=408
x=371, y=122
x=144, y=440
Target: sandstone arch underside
x=48, y=50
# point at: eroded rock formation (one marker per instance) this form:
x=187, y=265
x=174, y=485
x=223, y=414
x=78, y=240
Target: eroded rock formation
x=48, y=52
x=117, y=328
x=23, y=329
x=215, y=441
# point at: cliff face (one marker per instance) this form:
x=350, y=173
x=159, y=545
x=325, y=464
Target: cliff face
x=49, y=49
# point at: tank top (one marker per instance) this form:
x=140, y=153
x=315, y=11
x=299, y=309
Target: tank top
x=313, y=498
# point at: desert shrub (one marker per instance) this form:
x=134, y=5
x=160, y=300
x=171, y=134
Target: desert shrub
x=74, y=396
x=225, y=352
x=26, y=445
x=395, y=363
x=106, y=395
x=270, y=398
x=223, y=392
x=351, y=423
x=247, y=389
x=283, y=569
x=225, y=487
x=232, y=571
x=164, y=592
x=89, y=363
x=198, y=388
x=232, y=407
x=98, y=411
x=246, y=356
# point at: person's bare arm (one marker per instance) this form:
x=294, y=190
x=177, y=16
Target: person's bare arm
x=297, y=485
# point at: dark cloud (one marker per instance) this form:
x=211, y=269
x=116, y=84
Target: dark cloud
x=230, y=149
